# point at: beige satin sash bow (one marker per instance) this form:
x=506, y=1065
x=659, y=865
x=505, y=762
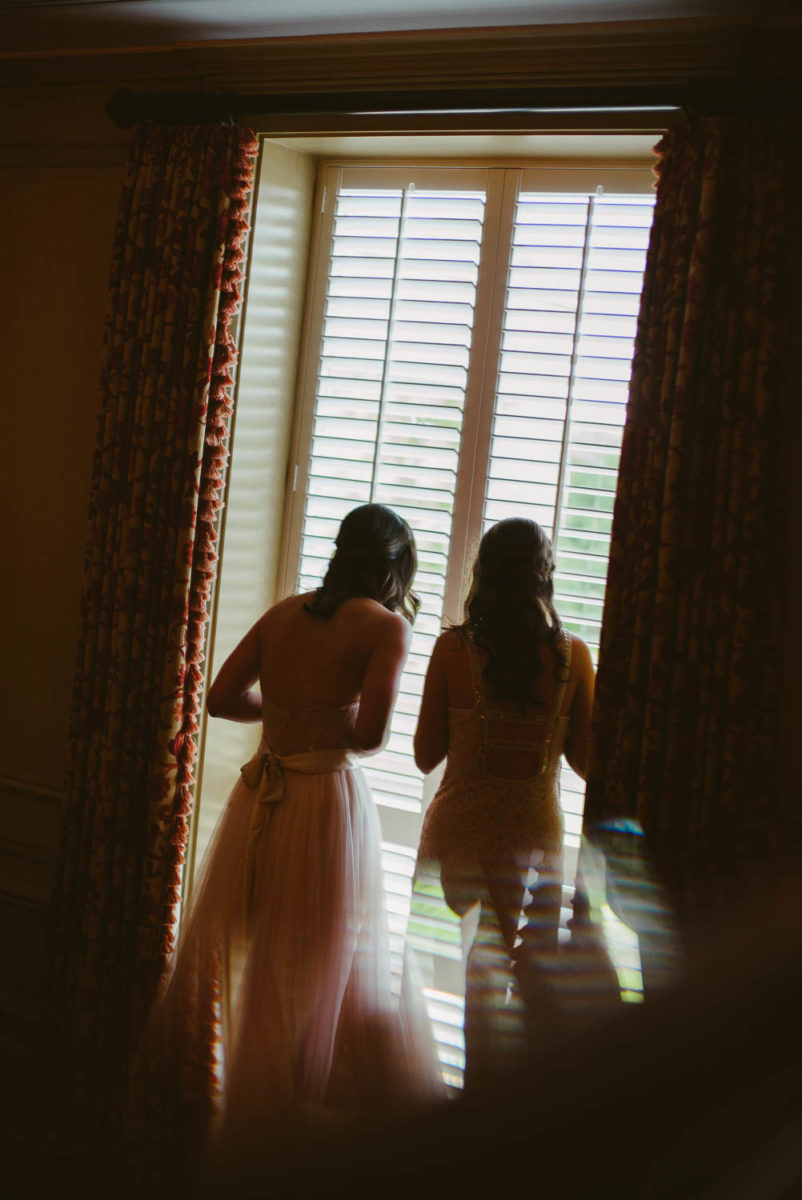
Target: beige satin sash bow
x=264, y=776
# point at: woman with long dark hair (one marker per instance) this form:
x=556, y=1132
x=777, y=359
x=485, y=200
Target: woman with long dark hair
x=287, y=920
x=507, y=693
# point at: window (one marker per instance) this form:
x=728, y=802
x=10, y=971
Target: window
x=468, y=346
x=465, y=353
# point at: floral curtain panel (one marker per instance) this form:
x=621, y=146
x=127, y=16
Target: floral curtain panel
x=166, y=402
x=689, y=685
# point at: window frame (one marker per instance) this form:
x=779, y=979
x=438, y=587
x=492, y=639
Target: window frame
x=531, y=175
x=469, y=499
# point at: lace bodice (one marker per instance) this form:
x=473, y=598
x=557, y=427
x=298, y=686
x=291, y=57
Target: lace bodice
x=501, y=783
x=300, y=731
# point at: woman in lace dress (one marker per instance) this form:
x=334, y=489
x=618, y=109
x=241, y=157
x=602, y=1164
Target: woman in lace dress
x=507, y=693
x=286, y=923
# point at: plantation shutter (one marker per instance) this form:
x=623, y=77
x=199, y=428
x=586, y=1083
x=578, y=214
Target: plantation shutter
x=397, y=370
x=573, y=290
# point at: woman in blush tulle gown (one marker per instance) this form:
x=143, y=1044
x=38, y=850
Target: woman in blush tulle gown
x=507, y=693
x=287, y=922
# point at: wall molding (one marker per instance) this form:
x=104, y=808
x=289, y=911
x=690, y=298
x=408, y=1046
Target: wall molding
x=29, y=841
x=36, y=902
x=24, y=1011
x=30, y=787
x=29, y=849
x=623, y=52
x=64, y=154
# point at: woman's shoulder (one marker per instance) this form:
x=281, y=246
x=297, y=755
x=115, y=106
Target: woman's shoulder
x=290, y=603
x=581, y=660
x=354, y=608
x=452, y=641
x=283, y=609
x=364, y=618
x=578, y=647
x=364, y=608
x=450, y=655
x=448, y=649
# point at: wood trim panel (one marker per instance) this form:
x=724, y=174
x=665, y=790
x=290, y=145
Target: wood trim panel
x=49, y=154
x=29, y=841
x=29, y=787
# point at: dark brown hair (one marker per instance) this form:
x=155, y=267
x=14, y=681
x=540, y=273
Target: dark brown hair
x=375, y=557
x=510, y=609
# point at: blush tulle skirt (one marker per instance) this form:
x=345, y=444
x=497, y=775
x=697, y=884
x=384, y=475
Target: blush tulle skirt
x=279, y=1014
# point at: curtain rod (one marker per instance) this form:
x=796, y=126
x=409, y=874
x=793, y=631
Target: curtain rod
x=696, y=97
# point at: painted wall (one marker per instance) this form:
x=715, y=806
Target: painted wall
x=56, y=227
x=60, y=175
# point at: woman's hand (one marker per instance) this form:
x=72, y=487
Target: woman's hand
x=232, y=695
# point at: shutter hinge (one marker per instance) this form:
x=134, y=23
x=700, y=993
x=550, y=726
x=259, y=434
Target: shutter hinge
x=323, y=201
x=295, y=477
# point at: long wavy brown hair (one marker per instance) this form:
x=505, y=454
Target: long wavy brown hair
x=510, y=610
x=375, y=556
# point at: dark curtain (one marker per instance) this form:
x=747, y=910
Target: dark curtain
x=166, y=403
x=689, y=687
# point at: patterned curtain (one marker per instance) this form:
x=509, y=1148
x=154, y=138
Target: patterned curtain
x=158, y=473
x=689, y=686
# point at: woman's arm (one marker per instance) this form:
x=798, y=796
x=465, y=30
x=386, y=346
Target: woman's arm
x=576, y=743
x=232, y=695
x=380, y=684
x=431, y=735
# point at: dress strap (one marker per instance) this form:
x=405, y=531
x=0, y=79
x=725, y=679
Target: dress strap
x=476, y=678
x=565, y=674
x=480, y=708
x=547, y=719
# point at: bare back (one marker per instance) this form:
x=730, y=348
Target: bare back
x=460, y=684
x=450, y=689
x=305, y=663
x=313, y=662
